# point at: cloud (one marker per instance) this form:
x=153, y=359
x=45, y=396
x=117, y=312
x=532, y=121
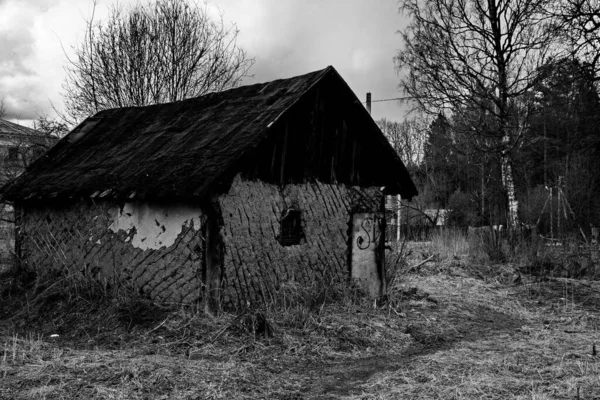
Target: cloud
x=293, y=37
x=23, y=69
x=362, y=60
x=25, y=101
x=18, y=46
x=287, y=38
x=16, y=39
x=18, y=79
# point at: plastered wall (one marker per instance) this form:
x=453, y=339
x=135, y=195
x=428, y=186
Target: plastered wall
x=159, y=249
x=256, y=264
x=156, y=249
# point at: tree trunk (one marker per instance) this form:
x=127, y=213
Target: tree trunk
x=508, y=184
x=483, y=189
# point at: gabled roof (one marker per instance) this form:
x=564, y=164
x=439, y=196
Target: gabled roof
x=19, y=134
x=10, y=128
x=173, y=150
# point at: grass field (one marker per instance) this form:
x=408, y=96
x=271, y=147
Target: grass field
x=453, y=326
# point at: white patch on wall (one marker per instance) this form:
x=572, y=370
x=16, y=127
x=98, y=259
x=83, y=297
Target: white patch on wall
x=155, y=226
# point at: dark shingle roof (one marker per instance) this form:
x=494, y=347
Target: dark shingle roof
x=167, y=150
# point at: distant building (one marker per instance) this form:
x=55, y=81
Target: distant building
x=439, y=215
x=411, y=222
x=19, y=146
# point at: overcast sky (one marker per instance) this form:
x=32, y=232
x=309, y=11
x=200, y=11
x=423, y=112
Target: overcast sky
x=286, y=37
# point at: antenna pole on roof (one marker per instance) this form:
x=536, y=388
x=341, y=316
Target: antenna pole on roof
x=369, y=102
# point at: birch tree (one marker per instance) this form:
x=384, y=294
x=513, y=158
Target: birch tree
x=461, y=56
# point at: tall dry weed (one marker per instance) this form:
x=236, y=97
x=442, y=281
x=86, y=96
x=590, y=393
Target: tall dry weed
x=449, y=243
x=395, y=261
x=486, y=246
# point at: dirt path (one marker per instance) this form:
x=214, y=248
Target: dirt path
x=528, y=337
x=444, y=336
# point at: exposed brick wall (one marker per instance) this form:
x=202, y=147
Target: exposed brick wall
x=77, y=238
x=255, y=262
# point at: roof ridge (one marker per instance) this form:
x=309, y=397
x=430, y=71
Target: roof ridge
x=24, y=129
x=219, y=93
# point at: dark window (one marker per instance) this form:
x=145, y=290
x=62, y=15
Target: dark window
x=38, y=152
x=13, y=154
x=290, y=228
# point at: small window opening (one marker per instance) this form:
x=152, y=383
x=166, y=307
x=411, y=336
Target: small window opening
x=13, y=154
x=38, y=152
x=290, y=228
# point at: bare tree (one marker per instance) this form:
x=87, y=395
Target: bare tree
x=153, y=52
x=477, y=60
x=2, y=108
x=578, y=24
x=407, y=138
x=50, y=128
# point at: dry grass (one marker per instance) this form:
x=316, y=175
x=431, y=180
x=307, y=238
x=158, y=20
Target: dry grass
x=450, y=243
x=451, y=328
x=540, y=346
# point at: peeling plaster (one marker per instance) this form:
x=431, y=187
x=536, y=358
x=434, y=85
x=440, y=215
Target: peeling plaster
x=153, y=226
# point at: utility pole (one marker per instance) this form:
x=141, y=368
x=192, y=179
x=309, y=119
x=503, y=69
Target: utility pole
x=398, y=198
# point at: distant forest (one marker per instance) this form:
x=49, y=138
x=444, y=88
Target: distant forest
x=506, y=93
x=560, y=148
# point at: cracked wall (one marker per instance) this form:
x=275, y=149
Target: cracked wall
x=159, y=250
x=256, y=264
x=162, y=261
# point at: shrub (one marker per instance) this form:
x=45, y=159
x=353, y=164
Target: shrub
x=463, y=212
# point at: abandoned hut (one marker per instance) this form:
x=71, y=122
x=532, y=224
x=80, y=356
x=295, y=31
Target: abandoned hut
x=223, y=197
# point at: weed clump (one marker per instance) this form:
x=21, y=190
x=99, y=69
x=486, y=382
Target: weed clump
x=556, y=262
x=396, y=262
x=450, y=243
x=72, y=304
